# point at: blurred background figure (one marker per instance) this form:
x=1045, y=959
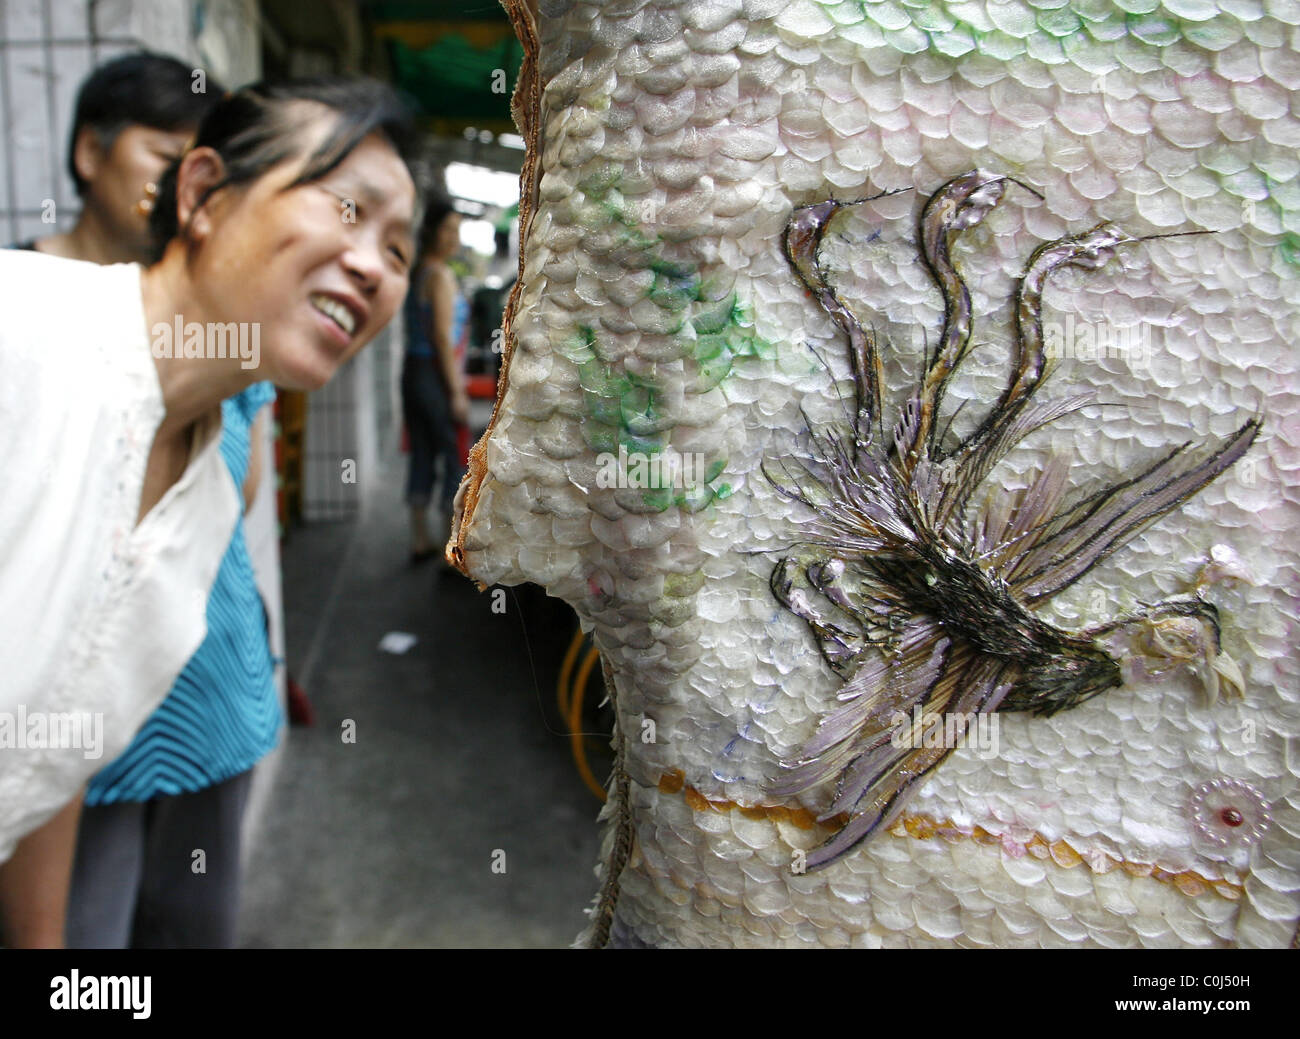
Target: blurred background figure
x=134, y=116
x=435, y=404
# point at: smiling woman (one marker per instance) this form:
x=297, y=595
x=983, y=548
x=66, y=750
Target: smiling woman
x=306, y=185
x=290, y=214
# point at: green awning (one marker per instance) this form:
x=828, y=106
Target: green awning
x=452, y=79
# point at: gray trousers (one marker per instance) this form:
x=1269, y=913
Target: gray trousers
x=139, y=880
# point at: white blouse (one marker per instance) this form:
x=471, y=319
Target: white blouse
x=97, y=615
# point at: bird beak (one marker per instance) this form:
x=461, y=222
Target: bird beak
x=1221, y=672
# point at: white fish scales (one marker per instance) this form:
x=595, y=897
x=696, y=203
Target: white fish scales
x=659, y=319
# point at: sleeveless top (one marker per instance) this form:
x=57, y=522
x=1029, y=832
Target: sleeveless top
x=417, y=312
x=223, y=714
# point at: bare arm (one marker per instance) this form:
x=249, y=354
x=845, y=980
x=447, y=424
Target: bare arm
x=440, y=289
x=34, y=883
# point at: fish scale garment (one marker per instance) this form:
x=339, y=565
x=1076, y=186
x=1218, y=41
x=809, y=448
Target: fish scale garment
x=657, y=315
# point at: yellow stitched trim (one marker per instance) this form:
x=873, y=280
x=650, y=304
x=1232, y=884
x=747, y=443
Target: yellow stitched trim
x=923, y=828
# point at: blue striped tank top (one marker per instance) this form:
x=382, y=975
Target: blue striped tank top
x=223, y=714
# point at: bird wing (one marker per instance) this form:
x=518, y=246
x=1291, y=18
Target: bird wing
x=884, y=686
x=974, y=462
x=875, y=788
x=1082, y=534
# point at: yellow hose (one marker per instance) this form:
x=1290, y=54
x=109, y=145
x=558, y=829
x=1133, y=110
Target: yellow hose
x=566, y=671
x=575, y=724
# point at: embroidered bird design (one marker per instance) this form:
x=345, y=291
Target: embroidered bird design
x=919, y=599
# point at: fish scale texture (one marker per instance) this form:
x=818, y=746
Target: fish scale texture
x=659, y=314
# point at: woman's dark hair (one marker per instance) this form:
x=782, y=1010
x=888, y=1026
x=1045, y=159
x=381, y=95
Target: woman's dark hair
x=436, y=209
x=140, y=89
x=258, y=127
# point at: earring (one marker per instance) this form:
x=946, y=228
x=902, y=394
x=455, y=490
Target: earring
x=145, y=206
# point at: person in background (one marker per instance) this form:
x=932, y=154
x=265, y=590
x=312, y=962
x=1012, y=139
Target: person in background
x=434, y=397
x=183, y=782
x=120, y=509
x=134, y=116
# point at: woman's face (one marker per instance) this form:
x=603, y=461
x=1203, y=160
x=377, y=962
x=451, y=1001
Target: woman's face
x=321, y=267
x=117, y=179
x=447, y=241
